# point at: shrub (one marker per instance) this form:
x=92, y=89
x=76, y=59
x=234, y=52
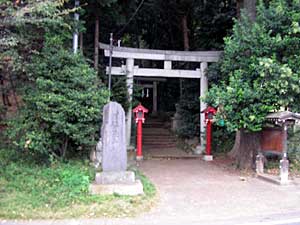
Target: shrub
x=62, y=106
x=189, y=109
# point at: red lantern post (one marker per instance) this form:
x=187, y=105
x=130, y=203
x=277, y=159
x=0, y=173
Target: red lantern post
x=209, y=114
x=139, y=113
x=208, y=137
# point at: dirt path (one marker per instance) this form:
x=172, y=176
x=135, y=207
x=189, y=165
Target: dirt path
x=198, y=190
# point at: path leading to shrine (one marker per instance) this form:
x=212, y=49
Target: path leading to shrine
x=192, y=191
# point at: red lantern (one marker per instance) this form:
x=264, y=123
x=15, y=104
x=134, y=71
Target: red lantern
x=139, y=114
x=209, y=113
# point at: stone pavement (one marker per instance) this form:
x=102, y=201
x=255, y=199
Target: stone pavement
x=196, y=192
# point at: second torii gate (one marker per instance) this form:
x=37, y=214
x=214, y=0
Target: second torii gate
x=130, y=70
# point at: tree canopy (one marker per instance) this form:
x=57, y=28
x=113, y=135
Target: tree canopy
x=259, y=72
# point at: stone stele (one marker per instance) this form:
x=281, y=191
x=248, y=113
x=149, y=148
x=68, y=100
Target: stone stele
x=115, y=178
x=114, y=154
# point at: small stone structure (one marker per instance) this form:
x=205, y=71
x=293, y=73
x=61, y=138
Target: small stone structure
x=114, y=178
x=283, y=120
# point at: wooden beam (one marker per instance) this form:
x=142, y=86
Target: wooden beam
x=166, y=55
x=145, y=72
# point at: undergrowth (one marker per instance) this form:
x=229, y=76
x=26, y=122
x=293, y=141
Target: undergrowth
x=60, y=190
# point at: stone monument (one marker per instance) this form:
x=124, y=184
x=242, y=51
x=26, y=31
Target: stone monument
x=114, y=177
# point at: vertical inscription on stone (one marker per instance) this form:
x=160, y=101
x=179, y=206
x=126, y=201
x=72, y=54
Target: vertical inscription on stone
x=114, y=156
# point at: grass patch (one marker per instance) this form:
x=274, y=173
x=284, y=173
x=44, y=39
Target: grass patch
x=60, y=190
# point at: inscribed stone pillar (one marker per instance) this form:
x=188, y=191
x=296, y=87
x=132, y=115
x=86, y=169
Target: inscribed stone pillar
x=203, y=90
x=114, y=153
x=129, y=83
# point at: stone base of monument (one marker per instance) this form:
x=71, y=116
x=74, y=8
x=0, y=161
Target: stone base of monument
x=208, y=158
x=122, y=183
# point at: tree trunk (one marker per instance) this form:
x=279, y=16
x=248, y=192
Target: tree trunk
x=96, y=42
x=3, y=82
x=234, y=151
x=186, y=45
x=81, y=42
x=246, y=148
x=241, y=142
x=239, y=6
x=249, y=6
x=64, y=148
x=185, y=32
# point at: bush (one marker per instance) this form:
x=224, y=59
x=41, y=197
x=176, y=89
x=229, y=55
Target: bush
x=222, y=139
x=189, y=110
x=62, y=106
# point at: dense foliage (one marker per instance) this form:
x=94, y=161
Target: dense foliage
x=189, y=110
x=61, y=95
x=63, y=106
x=259, y=72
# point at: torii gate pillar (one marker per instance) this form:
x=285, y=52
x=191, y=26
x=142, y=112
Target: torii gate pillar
x=154, y=110
x=129, y=83
x=203, y=89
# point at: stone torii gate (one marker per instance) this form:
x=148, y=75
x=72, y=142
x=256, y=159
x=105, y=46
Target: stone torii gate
x=130, y=70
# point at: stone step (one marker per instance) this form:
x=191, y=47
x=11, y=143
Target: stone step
x=158, y=138
x=161, y=138
x=164, y=131
x=159, y=143
x=158, y=127
x=153, y=126
x=160, y=146
x=154, y=131
x=155, y=134
x=153, y=122
x=149, y=120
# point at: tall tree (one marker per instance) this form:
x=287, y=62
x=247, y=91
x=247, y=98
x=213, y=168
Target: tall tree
x=249, y=6
x=260, y=70
x=96, y=42
x=249, y=9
